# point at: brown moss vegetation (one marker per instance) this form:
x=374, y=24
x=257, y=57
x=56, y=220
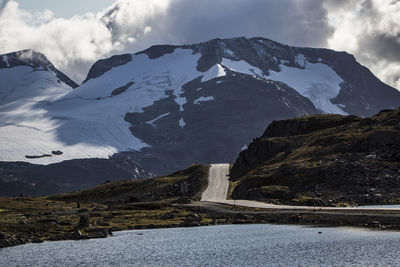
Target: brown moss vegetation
x=109, y=207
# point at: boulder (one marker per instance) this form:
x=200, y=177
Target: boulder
x=83, y=221
x=77, y=235
x=192, y=220
x=37, y=240
x=96, y=232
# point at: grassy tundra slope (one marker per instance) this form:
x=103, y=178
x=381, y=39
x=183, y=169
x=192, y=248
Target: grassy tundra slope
x=109, y=207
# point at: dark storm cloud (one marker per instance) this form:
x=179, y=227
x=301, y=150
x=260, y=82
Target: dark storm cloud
x=287, y=21
x=380, y=43
x=382, y=46
x=370, y=29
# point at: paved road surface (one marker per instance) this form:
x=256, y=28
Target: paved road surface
x=218, y=183
x=217, y=190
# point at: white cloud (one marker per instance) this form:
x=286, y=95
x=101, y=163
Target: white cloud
x=369, y=29
x=76, y=43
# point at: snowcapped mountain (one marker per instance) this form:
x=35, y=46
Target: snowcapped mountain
x=29, y=86
x=171, y=106
x=41, y=122
x=29, y=83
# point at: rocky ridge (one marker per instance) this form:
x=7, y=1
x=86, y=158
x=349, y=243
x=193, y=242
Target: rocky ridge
x=323, y=160
x=36, y=60
x=22, y=178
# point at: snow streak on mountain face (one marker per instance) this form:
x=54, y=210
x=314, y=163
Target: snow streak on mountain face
x=168, y=101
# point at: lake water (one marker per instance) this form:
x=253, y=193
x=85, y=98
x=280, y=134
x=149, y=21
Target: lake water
x=230, y=245
x=395, y=206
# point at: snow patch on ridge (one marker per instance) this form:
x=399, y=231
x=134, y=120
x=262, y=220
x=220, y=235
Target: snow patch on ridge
x=182, y=123
x=301, y=60
x=318, y=82
x=214, y=72
x=227, y=51
x=242, y=67
x=156, y=119
x=203, y=99
x=180, y=101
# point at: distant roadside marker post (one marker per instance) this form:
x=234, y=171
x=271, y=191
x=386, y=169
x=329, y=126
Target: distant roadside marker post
x=234, y=198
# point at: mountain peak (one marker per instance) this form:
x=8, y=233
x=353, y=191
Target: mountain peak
x=35, y=60
x=26, y=57
x=302, y=68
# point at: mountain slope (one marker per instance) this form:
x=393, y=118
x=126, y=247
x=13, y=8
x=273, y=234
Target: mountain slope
x=29, y=83
x=184, y=113
x=171, y=106
x=70, y=175
x=323, y=160
x=34, y=60
x=29, y=86
x=203, y=102
x=39, y=123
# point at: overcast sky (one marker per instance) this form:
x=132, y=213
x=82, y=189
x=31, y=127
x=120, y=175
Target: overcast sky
x=74, y=34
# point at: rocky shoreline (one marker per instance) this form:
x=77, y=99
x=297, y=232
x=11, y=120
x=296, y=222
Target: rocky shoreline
x=204, y=214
